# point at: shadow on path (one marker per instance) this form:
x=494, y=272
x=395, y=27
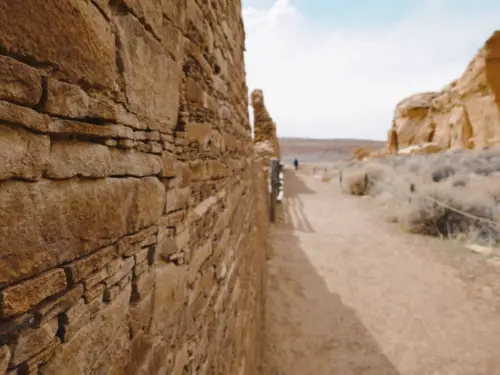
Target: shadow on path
x=293, y=206
x=309, y=330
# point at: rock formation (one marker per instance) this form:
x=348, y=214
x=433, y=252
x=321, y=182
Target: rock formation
x=265, y=136
x=132, y=208
x=466, y=114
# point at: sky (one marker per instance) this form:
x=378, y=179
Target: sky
x=337, y=68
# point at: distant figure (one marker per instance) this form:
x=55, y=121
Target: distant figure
x=296, y=164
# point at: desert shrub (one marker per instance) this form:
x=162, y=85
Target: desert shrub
x=355, y=182
x=404, y=187
x=458, y=213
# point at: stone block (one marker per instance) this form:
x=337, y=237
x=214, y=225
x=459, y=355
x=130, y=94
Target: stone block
x=152, y=77
x=25, y=117
x=32, y=341
x=198, y=258
x=21, y=297
x=94, y=293
x=177, y=199
x=194, y=92
x=31, y=366
x=169, y=296
x=124, y=269
x=143, y=285
x=77, y=158
x=68, y=127
x=81, y=268
x=104, y=338
x=128, y=245
x=19, y=83
x=141, y=268
x=57, y=305
x=65, y=99
x=59, y=42
x=132, y=163
x=22, y=154
x=83, y=215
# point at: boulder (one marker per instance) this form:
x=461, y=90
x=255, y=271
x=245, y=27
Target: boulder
x=465, y=114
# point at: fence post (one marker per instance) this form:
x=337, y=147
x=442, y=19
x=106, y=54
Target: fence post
x=274, y=176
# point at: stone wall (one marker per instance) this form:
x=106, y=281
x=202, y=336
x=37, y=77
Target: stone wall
x=466, y=114
x=265, y=137
x=132, y=211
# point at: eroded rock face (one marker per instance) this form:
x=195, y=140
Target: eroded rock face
x=466, y=114
x=265, y=136
x=133, y=218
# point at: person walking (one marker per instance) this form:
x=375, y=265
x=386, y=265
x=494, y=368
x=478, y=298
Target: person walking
x=296, y=164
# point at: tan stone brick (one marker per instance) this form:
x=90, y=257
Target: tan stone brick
x=21, y=297
x=92, y=59
x=142, y=285
x=177, y=198
x=31, y=366
x=65, y=99
x=79, y=269
x=68, y=127
x=125, y=268
x=22, y=116
x=152, y=77
x=32, y=341
x=127, y=245
x=19, y=83
x=55, y=306
x=140, y=268
x=93, y=293
x=22, y=154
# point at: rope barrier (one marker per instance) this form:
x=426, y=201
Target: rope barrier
x=440, y=203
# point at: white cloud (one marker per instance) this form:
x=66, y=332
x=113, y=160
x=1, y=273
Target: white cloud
x=331, y=82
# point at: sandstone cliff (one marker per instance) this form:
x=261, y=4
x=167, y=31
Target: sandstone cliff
x=466, y=114
x=132, y=210
x=265, y=137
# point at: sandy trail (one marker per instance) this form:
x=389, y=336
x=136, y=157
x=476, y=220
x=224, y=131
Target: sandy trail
x=351, y=294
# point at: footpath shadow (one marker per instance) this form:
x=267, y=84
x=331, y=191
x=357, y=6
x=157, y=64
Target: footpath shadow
x=309, y=330
x=292, y=209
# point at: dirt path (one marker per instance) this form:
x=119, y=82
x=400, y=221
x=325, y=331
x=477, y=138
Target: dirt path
x=351, y=294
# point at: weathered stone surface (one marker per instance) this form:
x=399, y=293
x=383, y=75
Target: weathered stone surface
x=32, y=341
x=264, y=127
x=55, y=306
x=19, y=298
x=19, y=83
x=152, y=78
x=199, y=257
x=132, y=163
x=65, y=99
x=87, y=159
x=81, y=268
x=177, y=199
x=466, y=114
x=4, y=358
x=67, y=127
x=59, y=42
x=24, y=117
x=77, y=158
x=22, y=154
x=169, y=296
x=83, y=216
x=103, y=339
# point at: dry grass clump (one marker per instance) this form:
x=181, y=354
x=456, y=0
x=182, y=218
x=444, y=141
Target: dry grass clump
x=448, y=194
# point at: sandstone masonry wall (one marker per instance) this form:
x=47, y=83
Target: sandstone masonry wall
x=465, y=114
x=265, y=137
x=132, y=210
